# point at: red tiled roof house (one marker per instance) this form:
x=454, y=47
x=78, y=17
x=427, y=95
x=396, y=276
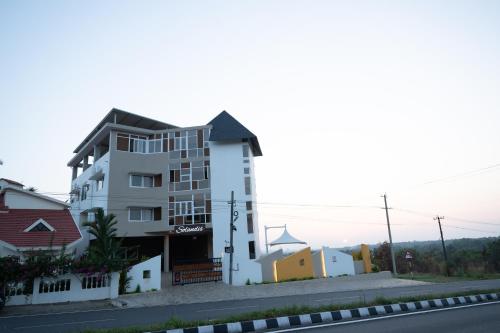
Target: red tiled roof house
x=30, y=221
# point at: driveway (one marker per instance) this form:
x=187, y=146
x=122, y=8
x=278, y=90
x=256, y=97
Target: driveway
x=212, y=291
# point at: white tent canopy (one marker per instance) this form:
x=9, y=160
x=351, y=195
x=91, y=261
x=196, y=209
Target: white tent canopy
x=286, y=238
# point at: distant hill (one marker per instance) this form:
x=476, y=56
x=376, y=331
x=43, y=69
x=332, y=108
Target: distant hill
x=461, y=243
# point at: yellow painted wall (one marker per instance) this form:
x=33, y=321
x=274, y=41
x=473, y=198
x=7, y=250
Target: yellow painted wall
x=367, y=261
x=291, y=268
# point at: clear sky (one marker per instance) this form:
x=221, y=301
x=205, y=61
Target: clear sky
x=349, y=100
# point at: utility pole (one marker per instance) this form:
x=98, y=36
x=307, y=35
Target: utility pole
x=394, y=270
x=439, y=218
x=231, y=230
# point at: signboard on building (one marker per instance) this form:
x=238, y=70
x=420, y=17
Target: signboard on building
x=189, y=229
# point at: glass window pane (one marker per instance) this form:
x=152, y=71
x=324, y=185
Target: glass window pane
x=136, y=180
x=148, y=181
x=248, y=188
x=147, y=214
x=135, y=214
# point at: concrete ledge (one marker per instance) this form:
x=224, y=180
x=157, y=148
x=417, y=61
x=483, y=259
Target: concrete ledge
x=328, y=317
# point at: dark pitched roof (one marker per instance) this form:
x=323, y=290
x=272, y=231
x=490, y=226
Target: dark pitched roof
x=226, y=128
x=15, y=221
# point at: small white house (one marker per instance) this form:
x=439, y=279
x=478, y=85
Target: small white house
x=329, y=262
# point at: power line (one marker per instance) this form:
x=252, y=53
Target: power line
x=448, y=217
x=467, y=173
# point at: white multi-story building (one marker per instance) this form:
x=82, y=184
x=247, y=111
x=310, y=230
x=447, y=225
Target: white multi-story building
x=170, y=188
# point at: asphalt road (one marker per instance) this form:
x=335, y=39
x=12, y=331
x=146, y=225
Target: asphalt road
x=108, y=318
x=468, y=319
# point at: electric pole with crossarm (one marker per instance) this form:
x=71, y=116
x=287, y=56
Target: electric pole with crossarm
x=393, y=258
x=439, y=218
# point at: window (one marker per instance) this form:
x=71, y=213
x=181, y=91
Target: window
x=99, y=184
x=145, y=181
x=187, y=176
x=245, y=150
x=249, y=205
x=246, y=171
x=334, y=259
x=250, y=223
x=85, y=189
x=248, y=188
x=157, y=213
x=135, y=214
x=183, y=208
x=122, y=142
x=137, y=143
x=146, y=274
x=136, y=180
x=147, y=214
x=189, y=209
x=302, y=262
x=141, y=214
x=251, y=249
x=39, y=227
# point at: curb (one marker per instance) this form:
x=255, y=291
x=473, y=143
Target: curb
x=328, y=317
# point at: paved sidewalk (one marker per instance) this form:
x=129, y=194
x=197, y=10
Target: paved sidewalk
x=27, y=310
x=211, y=292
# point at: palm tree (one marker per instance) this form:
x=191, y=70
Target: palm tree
x=105, y=248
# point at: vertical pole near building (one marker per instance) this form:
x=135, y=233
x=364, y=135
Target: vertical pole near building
x=265, y=236
x=231, y=229
x=439, y=218
x=394, y=270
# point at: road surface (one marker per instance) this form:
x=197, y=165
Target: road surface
x=467, y=319
x=108, y=318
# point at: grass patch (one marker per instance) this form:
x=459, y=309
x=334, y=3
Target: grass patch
x=443, y=279
x=286, y=311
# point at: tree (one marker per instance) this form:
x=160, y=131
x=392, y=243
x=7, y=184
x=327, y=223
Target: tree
x=382, y=257
x=105, y=249
x=493, y=253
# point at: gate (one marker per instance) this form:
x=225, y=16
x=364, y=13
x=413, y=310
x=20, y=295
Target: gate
x=196, y=271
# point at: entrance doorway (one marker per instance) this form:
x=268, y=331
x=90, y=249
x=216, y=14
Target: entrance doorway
x=189, y=248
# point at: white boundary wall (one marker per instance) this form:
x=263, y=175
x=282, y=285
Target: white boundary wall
x=70, y=288
x=139, y=274
x=337, y=263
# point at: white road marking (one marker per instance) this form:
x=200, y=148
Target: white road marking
x=231, y=308
x=381, y=318
x=62, y=324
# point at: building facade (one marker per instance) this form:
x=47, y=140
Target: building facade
x=169, y=188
